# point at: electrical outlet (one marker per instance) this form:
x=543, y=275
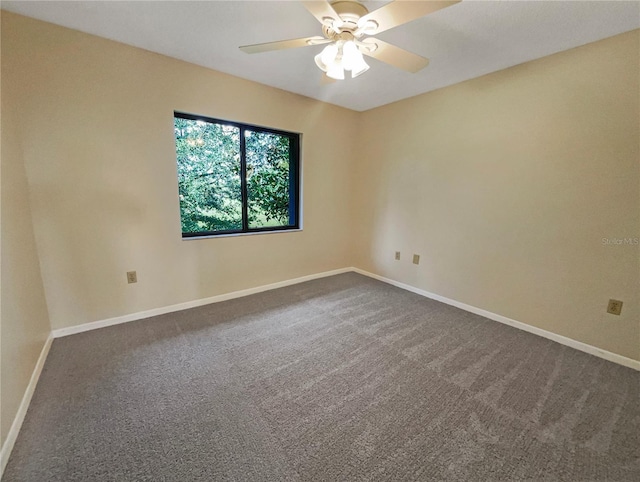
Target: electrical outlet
x=132, y=277
x=614, y=307
x=397, y=255
x=416, y=259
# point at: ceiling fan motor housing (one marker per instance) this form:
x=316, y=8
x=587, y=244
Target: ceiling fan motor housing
x=349, y=13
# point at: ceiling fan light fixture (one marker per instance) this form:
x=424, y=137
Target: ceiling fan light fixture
x=330, y=60
x=336, y=71
x=353, y=60
x=350, y=55
x=345, y=27
x=321, y=66
x=359, y=68
x=329, y=54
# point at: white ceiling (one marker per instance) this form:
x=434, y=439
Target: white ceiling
x=464, y=41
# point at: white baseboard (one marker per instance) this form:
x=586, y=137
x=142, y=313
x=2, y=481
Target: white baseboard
x=578, y=345
x=7, y=447
x=26, y=399
x=94, y=325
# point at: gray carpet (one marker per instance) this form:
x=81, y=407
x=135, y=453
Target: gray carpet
x=343, y=378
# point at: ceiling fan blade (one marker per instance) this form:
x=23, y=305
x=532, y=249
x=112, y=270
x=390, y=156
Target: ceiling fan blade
x=398, y=12
x=284, y=44
x=392, y=55
x=321, y=10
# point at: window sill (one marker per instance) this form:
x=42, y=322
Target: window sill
x=233, y=235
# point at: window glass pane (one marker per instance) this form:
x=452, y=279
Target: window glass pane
x=208, y=176
x=235, y=178
x=269, y=197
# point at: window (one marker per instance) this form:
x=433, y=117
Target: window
x=235, y=178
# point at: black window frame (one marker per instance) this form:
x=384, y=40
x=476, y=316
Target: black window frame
x=294, y=177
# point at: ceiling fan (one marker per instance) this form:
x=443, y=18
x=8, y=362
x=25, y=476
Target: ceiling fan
x=347, y=27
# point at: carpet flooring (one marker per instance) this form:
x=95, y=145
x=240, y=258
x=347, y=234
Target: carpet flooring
x=341, y=378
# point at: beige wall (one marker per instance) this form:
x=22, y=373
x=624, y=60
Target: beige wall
x=25, y=323
x=97, y=135
x=506, y=186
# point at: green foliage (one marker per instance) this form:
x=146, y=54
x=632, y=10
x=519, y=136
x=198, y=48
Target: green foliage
x=267, y=178
x=209, y=177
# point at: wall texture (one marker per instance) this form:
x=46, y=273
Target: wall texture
x=509, y=187
x=25, y=322
x=99, y=152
